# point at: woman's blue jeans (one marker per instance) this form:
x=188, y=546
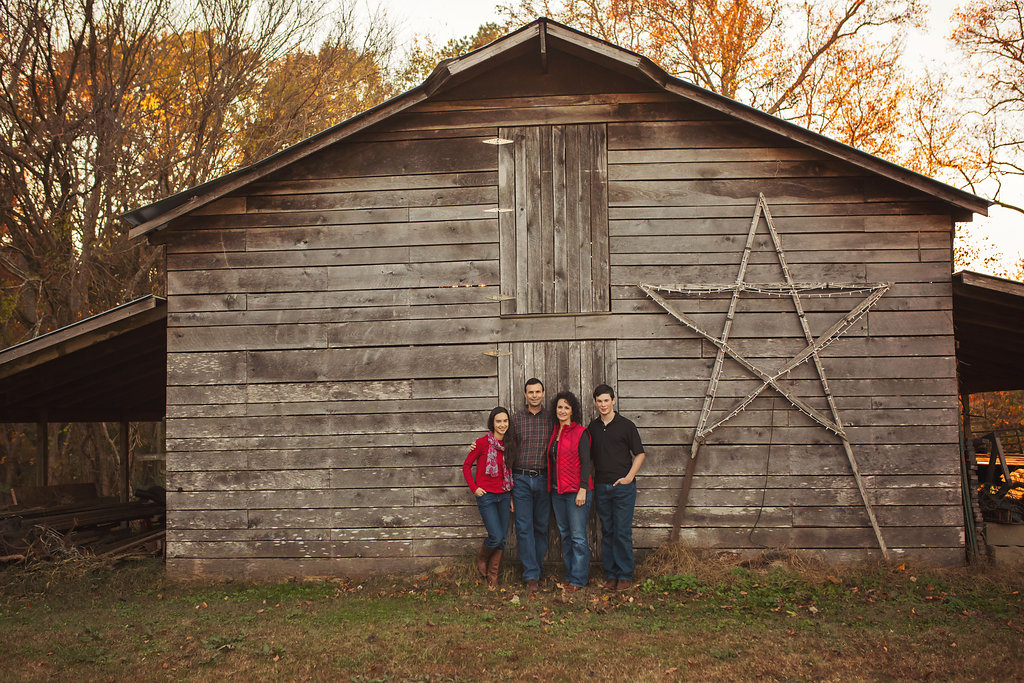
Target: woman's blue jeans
x=572, y=525
x=494, y=511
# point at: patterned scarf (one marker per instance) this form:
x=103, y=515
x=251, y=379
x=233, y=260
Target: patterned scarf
x=493, y=448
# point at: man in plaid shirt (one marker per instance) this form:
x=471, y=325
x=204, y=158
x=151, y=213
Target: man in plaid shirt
x=531, y=429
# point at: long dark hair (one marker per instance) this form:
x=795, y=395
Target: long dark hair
x=495, y=412
x=574, y=404
x=509, y=439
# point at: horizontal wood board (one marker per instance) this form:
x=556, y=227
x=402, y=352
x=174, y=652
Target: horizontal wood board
x=335, y=341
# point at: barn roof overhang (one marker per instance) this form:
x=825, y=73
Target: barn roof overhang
x=988, y=322
x=541, y=36
x=111, y=367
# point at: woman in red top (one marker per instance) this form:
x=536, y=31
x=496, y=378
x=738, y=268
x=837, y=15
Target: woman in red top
x=571, y=486
x=492, y=487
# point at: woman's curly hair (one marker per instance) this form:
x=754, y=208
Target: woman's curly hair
x=574, y=404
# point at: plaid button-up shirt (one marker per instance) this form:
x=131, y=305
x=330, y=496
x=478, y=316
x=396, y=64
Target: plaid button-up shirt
x=532, y=432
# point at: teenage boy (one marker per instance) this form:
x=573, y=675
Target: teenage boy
x=530, y=500
x=617, y=454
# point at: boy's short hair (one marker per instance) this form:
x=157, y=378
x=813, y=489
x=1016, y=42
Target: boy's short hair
x=604, y=389
x=533, y=380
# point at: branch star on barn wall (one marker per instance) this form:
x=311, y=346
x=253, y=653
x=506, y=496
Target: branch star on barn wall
x=769, y=377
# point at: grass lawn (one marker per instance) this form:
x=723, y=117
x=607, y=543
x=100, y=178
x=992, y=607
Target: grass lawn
x=694, y=615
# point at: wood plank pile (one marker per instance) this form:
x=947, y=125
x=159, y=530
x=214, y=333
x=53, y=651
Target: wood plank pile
x=61, y=522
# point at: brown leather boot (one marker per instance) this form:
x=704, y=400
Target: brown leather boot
x=492, y=568
x=482, y=558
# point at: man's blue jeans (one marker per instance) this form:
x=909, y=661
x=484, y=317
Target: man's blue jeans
x=572, y=525
x=494, y=511
x=615, y=506
x=533, y=511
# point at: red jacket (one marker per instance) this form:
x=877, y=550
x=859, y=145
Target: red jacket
x=572, y=457
x=478, y=455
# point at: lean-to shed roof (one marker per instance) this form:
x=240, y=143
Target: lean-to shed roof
x=541, y=36
x=109, y=367
x=988, y=322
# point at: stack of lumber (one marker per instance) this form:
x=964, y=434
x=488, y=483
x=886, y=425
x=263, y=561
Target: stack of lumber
x=65, y=521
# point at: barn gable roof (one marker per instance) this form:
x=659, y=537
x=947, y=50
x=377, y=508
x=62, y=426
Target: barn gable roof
x=546, y=34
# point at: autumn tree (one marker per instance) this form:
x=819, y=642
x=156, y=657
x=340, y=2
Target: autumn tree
x=997, y=410
x=424, y=55
x=240, y=79
x=991, y=35
x=107, y=106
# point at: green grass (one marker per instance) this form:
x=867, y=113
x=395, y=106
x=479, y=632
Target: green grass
x=693, y=616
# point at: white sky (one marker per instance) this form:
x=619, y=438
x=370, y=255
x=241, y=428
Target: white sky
x=440, y=19
x=444, y=19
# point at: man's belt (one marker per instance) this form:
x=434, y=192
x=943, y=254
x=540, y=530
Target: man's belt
x=528, y=473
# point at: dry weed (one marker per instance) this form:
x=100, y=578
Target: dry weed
x=710, y=565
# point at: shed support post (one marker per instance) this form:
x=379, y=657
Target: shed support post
x=43, y=439
x=125, y=461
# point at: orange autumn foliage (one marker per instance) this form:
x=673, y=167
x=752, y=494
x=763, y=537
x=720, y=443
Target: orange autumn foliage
x=830, y=65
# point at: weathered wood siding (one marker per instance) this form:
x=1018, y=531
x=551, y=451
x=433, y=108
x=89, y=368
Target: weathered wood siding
x=329, y=328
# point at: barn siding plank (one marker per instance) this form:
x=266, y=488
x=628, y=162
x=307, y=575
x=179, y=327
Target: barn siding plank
x=724, y=169
x=599, y=219
x=516, y=113
x=573, y=220
x=780, y=209
x=687, y=134
x=285, y=316
x=585, y=164
x=522, y=206
x=395, y=158
x=507, y=221
x=560, y=236
x=546, y=222
x=379, y=298
x=532, y=182
x=483, y=229
x=373, y=183
x=333, y=257
x=379, y=363
x=829, y=226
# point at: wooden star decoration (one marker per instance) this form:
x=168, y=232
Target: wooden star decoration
x=770, y=378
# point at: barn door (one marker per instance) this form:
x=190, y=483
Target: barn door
x=553, y=219
x=578, y=366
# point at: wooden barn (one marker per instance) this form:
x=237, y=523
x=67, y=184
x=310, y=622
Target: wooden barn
x=774, y=309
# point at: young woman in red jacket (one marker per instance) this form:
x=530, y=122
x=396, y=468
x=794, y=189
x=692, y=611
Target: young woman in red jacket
x=571, y=486
x=492, y=487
